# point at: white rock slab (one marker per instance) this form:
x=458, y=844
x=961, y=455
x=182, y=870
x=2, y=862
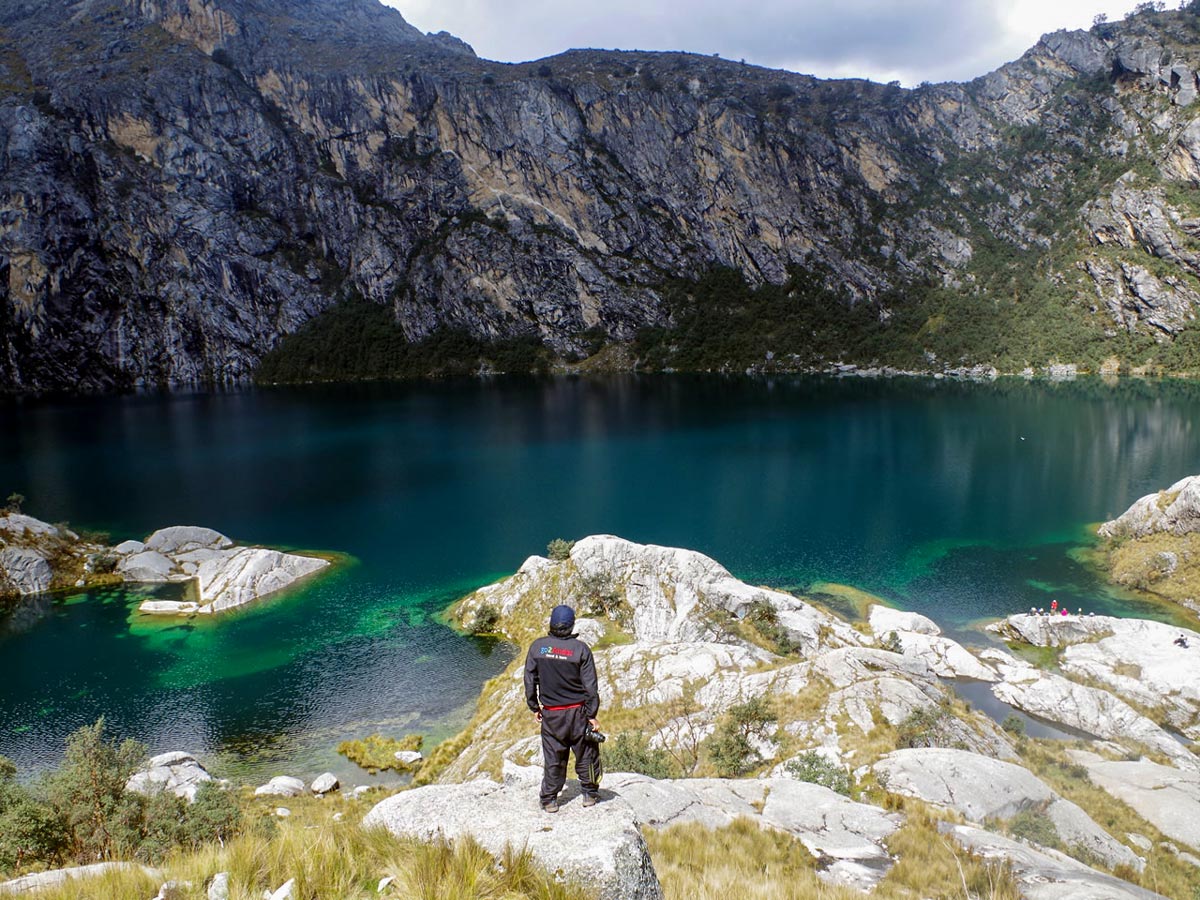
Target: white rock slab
x=1167, y=798
x=982, y=788
x=41, y=881
x=149, y=566
x=1046, y=874
x=18, y=525
x=25, y=569
x=846, y=837
x=248, y=573
x=599, y=847
x=883, y=619
x=324, y=784
x=1175, y=510
x=1087, y=709
x=178, y=539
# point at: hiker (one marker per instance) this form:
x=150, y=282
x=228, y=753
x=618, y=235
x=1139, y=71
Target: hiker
x=561, y=690
x=1181, y=641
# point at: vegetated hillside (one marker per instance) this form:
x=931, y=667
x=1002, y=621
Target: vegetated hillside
x=184, y=183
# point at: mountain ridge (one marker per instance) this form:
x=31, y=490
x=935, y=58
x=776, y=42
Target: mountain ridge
x=190, y=181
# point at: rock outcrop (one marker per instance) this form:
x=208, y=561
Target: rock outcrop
x=1167, y=798
x=41, y=881
x=600, y=848
x=177, y=772
x=847, y=839
x=1136, y=659
x=980, y=788
x=1154, y=546
x=688, y=650
x=36, y=556
x=1173, y=511
x=1046, y=874
x=1089, y=710
x=186, y=182
x=224, y=576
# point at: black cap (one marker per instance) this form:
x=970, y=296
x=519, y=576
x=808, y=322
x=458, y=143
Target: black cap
x=562, y=620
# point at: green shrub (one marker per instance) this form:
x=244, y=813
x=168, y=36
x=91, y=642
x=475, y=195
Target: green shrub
x=30, y=831
x=102, y=820
x=559, y=549
x=1014, y=725
x=1034, y=825
x=729, y=748
x=928, y=727
x=213, y=816
x=813, y=767
x=630, y=751
x=485, y=620
x=892, y=643
x=13, y=503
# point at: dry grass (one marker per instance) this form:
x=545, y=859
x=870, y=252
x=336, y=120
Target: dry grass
x=335, y=859
x=1164, y=873
x=377, y=752
x=742, y=860
x=1139, y=563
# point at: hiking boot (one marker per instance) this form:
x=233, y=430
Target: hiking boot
x=589, y=800
x=551, y=807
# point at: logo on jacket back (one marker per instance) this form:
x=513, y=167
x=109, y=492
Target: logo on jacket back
x=557, y=652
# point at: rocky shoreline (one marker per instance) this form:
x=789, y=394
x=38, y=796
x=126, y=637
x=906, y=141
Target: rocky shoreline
x=852, y=731
x=218, y=575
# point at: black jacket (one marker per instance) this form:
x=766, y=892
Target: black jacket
x=561, y=672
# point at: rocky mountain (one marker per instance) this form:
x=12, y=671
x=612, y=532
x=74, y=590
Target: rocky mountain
x=185, y=182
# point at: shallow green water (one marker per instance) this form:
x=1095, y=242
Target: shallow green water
x=961, y=501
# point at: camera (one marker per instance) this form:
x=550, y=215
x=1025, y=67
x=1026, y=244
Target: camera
x=594, y=735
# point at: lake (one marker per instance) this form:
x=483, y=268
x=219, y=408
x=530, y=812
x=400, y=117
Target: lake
x=962, y=501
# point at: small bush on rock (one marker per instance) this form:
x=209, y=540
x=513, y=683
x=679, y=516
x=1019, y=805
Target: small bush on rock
x=559, y=549
x=817, y=769
x=730, y=749
x=630, y=751
x=486, y=618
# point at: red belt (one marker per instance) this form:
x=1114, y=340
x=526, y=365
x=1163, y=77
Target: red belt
x=557, y=708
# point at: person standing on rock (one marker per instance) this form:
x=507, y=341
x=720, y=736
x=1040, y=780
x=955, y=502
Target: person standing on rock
x=561, y=690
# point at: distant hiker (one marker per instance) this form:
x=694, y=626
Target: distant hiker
x=1181, y=641
x=1065, y=612
x=561, y=690
x=1053, y=607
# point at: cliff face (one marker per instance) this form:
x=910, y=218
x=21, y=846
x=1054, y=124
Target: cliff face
x=185, y=181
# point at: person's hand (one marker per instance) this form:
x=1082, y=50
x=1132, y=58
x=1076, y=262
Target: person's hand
x=593, y=723
x=538, y=715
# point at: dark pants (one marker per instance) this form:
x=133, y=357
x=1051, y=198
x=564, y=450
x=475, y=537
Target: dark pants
x=562, y=734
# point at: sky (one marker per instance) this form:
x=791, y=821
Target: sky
x=908, y=40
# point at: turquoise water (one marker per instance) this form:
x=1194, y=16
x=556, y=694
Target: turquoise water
x=961, y=501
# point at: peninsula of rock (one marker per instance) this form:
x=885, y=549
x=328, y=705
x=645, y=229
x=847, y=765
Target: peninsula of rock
x=681, y=645
x=217, y=574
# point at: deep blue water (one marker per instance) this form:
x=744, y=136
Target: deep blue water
x=961, y=501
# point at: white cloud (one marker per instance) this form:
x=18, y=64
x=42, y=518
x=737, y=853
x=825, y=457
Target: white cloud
x=913, y=40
